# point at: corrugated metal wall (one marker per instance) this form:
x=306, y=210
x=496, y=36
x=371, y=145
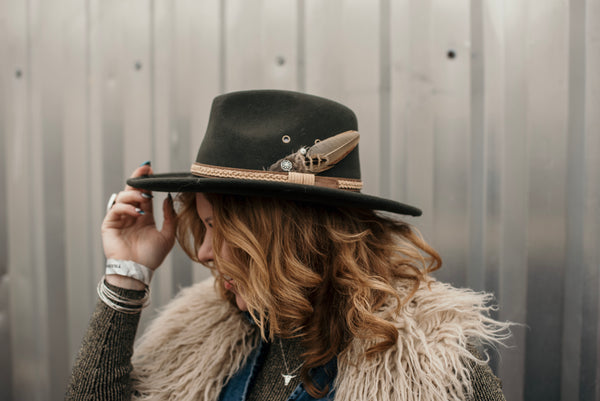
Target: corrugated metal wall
x=486, y=113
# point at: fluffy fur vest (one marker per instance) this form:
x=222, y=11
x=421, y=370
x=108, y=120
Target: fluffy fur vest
x=199, y=340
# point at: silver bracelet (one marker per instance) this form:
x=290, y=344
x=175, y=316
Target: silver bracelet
x=129, y=268
x=120, y=303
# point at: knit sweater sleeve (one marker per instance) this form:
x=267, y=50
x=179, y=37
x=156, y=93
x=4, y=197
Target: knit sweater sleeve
x=486, y=386
x=103, y=365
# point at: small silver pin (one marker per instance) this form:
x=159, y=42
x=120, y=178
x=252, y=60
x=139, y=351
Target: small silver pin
x=303, y=151
x=286, y=165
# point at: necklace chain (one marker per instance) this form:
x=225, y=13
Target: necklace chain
x=290, y=375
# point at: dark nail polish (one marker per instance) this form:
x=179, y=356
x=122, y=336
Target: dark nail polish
x=170, y=197
x=147, y=195
x=146, y=163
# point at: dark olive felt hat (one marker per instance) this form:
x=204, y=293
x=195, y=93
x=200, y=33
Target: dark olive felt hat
x=250, y=132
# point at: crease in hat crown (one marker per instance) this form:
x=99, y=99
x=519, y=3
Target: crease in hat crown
x=253, y=129
x=278, y=143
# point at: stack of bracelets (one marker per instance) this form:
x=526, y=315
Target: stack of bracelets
x=118, y=302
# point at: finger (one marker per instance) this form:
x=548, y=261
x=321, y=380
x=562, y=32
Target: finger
x=133, y=197
x=144, y=169
x=123, y=209
x=170, y=221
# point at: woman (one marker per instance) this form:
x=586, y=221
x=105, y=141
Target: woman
x=315, y=295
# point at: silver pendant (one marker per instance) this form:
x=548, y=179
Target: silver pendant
x=287, y=378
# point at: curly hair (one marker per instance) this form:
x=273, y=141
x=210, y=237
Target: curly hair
x=315, y=272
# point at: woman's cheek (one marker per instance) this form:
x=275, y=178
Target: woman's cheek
x=241, y=303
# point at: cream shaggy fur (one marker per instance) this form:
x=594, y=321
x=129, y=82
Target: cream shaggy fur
x=199, y=340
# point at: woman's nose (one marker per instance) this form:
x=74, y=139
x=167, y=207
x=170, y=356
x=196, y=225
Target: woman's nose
x=205, y=252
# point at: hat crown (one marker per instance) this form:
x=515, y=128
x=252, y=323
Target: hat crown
x=253, y=129
x=261, y=143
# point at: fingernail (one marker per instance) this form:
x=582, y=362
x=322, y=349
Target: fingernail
x=147, y=195
x=146, y=163
x=170, y=197
x=140, y=211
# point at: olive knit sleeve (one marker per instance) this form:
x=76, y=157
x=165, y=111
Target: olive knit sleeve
x=486, y=386
x=103, y=364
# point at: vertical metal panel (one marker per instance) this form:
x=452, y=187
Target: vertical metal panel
x=430, y=125
x=576, y=182
x=488, y=43
x=48, y=112
x=342, y=54
x=503, y=195
x=514, y=189
x=400, y=73
x=385, y=97
x=12, y=91
x=450, y=60
x=547, y=131
x=589, y=370
x=96, y=138
x=412, y=143
x=26, y=336
x=6, y=74
x=260, y=44
x=135, y=80
x=80, y=276
x=478, y=186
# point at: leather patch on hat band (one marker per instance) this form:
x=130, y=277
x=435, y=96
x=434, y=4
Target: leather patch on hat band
x=205, y=170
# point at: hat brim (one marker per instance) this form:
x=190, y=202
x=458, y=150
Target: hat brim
x=186, y=182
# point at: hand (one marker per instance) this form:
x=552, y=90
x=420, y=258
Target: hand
x=129, y=231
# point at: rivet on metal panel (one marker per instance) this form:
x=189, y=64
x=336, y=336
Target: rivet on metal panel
x=280, y=60
x=138, y=65
x=18, y=73
x=451, y=54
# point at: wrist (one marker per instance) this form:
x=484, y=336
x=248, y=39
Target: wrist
x=128, y=283
x=129, y=269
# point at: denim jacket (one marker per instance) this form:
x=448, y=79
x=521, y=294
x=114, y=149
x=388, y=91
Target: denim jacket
x=239, y=384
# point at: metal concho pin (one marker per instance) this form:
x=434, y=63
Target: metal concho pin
x=286, y=165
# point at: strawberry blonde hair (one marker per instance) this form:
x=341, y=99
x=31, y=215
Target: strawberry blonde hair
x=315, y=272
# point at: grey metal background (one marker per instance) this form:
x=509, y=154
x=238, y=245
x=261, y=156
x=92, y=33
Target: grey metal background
x=485, y=113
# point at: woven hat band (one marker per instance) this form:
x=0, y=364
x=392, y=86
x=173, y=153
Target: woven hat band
x=205, y=170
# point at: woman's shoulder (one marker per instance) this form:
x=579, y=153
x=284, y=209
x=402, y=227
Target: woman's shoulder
x=435, y=299
x=444, y=314
x=196, y=341
x=432, y=357
x=196, y=312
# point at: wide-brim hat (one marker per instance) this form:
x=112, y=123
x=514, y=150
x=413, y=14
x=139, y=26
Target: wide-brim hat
x=280, y=144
